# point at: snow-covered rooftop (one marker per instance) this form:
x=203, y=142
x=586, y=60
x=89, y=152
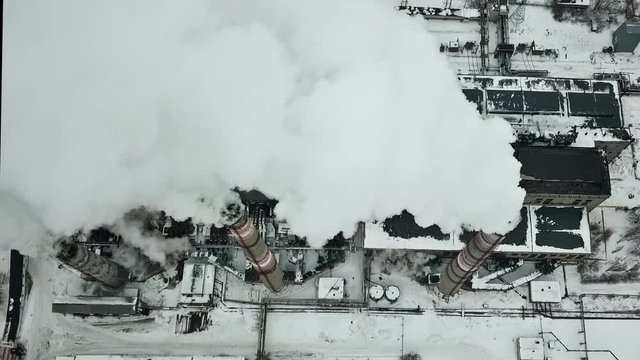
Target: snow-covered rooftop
x=545, y=291
x=530, y=349
x=531, y=101
x=331, y=288
x=543, y=229
x=197, y=282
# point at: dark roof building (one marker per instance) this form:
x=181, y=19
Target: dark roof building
x=17, y=272
x=627, y=36
x=129, y=304
x=256, y=201
x=563, y=170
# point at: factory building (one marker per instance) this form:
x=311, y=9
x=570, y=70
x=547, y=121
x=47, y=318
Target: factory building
x=544, y=232
x=93, y=266
x=554, y=111
x=254, y=247
x=127, y=304
x=627, y=37
x=198, y=282
x=563, y=176
x=562, y=185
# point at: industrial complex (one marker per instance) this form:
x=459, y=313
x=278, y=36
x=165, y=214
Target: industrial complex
x=241, y=284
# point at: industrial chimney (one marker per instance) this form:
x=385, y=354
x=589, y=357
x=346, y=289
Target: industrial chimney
x=94, y=266
x=255, y=248
x=467, y=262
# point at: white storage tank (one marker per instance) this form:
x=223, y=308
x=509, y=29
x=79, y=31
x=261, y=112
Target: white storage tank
x=376, y=293
x=392, y=293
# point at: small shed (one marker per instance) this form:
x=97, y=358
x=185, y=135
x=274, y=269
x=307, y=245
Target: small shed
x=331, y=288
x=530, y=348
x=545, y=292
x=627, y=36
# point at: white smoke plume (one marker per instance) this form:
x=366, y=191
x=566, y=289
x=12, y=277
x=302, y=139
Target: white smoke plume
x=154, y=247
x=342, y=110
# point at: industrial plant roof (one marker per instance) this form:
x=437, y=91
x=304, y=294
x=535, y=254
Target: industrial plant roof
x=522, y=100
x=563, y=170
x=542, y=229
x=253, y=196
x=96, y=305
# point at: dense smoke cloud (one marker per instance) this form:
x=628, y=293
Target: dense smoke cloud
x=342, y=110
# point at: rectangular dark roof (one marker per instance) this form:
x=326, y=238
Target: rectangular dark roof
x=594, y=103
x=563, y=170
x=119, y=306
x=559, y=227
x=518, y=236
x=602, y=107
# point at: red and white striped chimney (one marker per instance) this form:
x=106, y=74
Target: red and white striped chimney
x=255, y=248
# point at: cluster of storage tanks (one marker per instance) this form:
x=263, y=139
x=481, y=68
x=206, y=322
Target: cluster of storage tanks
x=378, y=292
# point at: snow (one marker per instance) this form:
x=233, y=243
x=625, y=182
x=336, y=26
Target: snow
x=530, y=349
x=4, y=285
x=331, y=288
x=334, y=334
x=621, y=337
x=377, y=238
x=545, y=291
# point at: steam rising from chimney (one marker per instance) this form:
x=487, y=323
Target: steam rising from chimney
x=343, y=111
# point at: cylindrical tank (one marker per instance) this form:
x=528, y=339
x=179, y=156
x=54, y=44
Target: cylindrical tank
x=95, y=266
x=467, y=262
x=392, y=293
x=376, y=293
x=255, y=248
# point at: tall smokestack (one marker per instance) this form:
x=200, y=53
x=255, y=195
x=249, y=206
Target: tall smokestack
x=255, y=248
x=95, y=266
x=467, y=262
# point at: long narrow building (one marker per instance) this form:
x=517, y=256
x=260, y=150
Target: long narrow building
x=255, y=248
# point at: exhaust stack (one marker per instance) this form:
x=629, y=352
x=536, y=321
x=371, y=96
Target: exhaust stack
x=92, y=265
x=255, y=248
x=467, y=262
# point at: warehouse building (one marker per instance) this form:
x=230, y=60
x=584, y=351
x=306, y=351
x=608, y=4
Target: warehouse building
x=127, y=304
x=544, y=232
x=554, y=111
x=564, y=175
x=627, y=36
